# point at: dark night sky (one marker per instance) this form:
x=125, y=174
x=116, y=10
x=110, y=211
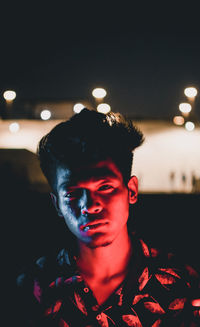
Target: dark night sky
x=144, y=57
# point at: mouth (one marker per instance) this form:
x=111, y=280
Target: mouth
x=92, y=226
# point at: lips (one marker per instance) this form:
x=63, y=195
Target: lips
x=92, y=226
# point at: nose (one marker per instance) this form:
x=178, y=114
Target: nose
x=90, y=204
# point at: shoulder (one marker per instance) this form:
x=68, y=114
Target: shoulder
x=161, y=261
x=44, y=269
x=161, y=268
x=33, y=282
x=170, y=281
x=167, y=287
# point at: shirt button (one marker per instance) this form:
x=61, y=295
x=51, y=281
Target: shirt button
x=98, y=317
x=95, y=308
x=86, y=289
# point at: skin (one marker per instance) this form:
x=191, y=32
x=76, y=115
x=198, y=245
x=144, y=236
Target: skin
x=96, y=195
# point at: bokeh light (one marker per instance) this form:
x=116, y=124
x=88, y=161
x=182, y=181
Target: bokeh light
x=190, y=126
x=9, y=95
x=99, y=93
x=190, y=92
x=185, y=107
x=14, y=127
x=178, y=120
x=195, y=303
x=78, y=107
x=104, y=108
x=45, y=114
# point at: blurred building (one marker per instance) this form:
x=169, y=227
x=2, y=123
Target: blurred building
x=167, y=162
x=32, y=108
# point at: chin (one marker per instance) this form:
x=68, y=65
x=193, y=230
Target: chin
x=95, y=246
x=98, y=242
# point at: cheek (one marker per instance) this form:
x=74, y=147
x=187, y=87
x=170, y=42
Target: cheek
x=69, y=208
x=69, y=213
x=119, y=203
x=71, y=222
x=122, y=209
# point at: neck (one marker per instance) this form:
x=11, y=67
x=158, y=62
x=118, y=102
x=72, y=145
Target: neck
x=105, y=262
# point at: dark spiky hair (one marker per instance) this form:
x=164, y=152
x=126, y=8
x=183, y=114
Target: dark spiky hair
x=89, y=137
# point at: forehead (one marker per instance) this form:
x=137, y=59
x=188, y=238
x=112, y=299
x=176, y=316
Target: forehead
x=106, y=169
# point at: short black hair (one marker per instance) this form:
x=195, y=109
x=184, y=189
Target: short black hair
x=89, y=137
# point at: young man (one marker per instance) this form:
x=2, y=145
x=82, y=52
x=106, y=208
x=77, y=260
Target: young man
x=105, y=276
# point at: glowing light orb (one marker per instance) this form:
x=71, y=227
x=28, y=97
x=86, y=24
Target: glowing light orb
x=104, y=108
x=78, y=107
x=185, y=107
x=14, y=127
x=99, y=93
x=45, y=114
x=196, y=302
x=178, y=120
x=9, y=95
x=190, y=92
x=190, y=126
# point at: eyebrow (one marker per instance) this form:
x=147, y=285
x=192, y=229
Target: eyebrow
x=95, y=174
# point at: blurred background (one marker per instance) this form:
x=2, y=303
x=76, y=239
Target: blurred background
x=141, y=61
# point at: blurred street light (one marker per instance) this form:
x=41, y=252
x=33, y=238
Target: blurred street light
x=78, y=107
x=189, y=126
x=45, y=114
x=178, y=120
x=99, y=93
x=190, y=92
x=9, y=95
x=104, y=108
x=185, y=108
x=188, y=117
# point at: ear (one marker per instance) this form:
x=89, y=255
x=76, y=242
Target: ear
x=55, y=203
x=133, y=189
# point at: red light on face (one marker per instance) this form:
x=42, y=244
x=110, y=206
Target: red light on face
x=195, y=303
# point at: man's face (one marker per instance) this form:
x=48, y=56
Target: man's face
x=94, y=201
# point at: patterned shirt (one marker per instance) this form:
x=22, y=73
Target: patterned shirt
x=155, y=292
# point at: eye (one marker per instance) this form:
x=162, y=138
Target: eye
x=106, y=187
x=71, y=195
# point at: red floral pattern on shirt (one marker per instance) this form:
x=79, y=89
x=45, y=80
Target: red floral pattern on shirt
x=152, y=298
